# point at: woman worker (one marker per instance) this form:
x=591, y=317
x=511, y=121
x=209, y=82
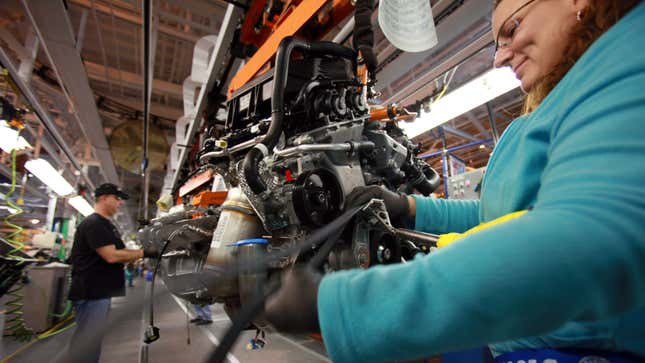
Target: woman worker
x=565, y=282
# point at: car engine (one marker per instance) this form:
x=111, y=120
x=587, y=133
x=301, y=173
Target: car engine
x=295, y=143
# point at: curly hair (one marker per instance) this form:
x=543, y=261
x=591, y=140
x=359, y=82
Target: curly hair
x=596, y=19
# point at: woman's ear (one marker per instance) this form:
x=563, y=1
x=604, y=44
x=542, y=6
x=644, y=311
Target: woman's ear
x=579, y=5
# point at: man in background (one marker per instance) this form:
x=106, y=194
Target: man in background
x=97, y=261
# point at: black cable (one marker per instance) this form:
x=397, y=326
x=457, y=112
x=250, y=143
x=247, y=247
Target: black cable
x=152, y=283
x=331, y=231
x=154, y=272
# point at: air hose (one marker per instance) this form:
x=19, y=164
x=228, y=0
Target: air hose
x=14, y=322
x=152, y=332
x=55, y=330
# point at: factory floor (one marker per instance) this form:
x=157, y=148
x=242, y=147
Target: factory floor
x=122, y=342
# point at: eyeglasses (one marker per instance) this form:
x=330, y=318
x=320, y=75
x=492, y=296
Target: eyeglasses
x=509, y=28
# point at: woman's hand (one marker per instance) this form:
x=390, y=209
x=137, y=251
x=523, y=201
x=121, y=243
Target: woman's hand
x=294, y=308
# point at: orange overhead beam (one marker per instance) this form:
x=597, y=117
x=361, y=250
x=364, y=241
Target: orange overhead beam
x=294, y=21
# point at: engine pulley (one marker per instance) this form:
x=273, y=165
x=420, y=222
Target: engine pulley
x=317, y=197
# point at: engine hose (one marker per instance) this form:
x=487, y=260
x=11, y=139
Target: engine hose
x=426, y=183
x=280, y=74
x=331, y=232
x=363, y=38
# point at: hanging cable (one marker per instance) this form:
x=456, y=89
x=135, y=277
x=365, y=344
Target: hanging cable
x=447, y=79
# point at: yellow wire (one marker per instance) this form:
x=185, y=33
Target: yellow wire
x=44, y=335
x=446, y=85
x=14, y=322
x=18, y=246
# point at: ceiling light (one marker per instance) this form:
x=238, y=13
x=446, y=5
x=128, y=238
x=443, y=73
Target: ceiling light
x=10, y=139
x=43, y=170
x=9, y=209
x=34, y=221
x=80, y=204
x=475, y=93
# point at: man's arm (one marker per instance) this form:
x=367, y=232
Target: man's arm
x=111, y=255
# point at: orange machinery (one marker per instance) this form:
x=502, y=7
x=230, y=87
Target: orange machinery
x=296, y=17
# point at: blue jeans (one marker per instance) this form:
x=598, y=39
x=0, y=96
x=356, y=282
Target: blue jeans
x=203, y=312
x=91, y=316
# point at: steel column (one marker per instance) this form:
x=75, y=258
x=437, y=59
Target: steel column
x=444, y=161
x=493, y=124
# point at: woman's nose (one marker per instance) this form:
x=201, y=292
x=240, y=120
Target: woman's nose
x=502, y=57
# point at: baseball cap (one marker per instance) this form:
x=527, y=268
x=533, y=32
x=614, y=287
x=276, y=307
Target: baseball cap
x=109, y=189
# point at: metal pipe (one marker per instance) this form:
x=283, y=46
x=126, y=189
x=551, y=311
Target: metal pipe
x=239, y=147
x=344, y=32
x=43, y=115
x=308, y=148
x=444, y=161
x=147, y=24
x=493, y=125
x=417, y=236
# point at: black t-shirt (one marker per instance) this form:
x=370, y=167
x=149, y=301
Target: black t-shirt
x=92, y=276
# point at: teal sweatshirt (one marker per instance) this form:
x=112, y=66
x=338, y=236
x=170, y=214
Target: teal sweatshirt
x=570, y=273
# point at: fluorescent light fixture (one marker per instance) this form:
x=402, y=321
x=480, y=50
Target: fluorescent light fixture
x=80, y=204
x=475, y=93
x=9, y=209
x=10, y=140
x=43, y=170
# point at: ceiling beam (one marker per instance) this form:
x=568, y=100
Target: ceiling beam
x=156, y=109
x=460, y=133
x=203, y=8
x=51, y=22
x=183, y=21
x=475, y=121
x=132, y=80
x=136, y=20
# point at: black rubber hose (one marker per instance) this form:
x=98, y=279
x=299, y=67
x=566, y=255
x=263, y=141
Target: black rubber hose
x=331, y=232
x=280, y=75
x=432, y=179
x=363, y=38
